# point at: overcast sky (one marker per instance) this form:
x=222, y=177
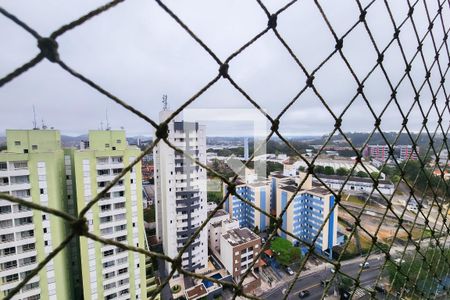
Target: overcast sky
x=138, y=52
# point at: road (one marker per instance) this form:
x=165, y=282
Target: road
x=311, y=281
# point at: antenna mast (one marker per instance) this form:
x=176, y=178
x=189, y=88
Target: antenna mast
x=34, y=118
x=107, y=120
x=164, y=101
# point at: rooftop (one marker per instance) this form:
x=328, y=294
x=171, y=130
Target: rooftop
x=320, y=191
x=196, y=292
x=240, y=236
x=219, y=213
x=353, y=178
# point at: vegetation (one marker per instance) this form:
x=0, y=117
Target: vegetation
x=176, y=288
x=420, y=277
x=285, y=253
x=149, y=214
x=414, y=174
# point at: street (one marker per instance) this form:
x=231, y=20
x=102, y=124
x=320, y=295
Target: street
x=312, y=281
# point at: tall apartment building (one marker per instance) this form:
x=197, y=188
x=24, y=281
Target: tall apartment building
x=32, y=168
x=181, y=197
x=256, y=192
x=307, y=212
x=109, y=272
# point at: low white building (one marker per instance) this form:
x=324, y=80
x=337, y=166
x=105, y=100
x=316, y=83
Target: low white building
x=357, y=184
x=218, y=225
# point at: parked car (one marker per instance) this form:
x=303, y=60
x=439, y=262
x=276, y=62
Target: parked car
x=349, y=228
x=364, y=266
x=289, y=271
x=333, y=270
x=304, y=294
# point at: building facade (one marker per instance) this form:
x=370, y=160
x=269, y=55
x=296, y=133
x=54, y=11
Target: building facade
x=181, y=196
x=379, y=152
x=32, y=168
x=306, y=216
x=357, y=184
x=238, y=249
x=256, y=192
x=110, y=272
x=407, y=152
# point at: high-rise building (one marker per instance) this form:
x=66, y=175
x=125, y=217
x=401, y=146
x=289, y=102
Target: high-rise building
x=110, y=272
x=32, y=168
x=181, y=199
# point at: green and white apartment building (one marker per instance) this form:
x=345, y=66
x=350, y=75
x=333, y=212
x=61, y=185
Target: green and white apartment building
x=36, y=167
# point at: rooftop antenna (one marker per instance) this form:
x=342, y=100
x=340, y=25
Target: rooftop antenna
x=164, y=101
x=43, y=125
x=107, y=120
x=101, y=125
x=34, y=118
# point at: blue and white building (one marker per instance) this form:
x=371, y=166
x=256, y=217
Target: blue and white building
x=306, y=216
x=256, y=192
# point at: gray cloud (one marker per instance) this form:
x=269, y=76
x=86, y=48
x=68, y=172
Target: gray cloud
x=137, y=52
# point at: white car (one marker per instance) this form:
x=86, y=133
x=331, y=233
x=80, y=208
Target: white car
x=364, y=266
x=289, y=271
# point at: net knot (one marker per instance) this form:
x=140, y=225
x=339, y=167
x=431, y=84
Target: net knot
x=275, y=125
x=223, y=70
x=80, y=226
x=309, y=81
x=338, y=123
x=272, y=23
x=231, y=188
x=49, y=48
x=380, y=58
x=163, y=131
x=362, y=16
x=377, y=122
x=339, y=44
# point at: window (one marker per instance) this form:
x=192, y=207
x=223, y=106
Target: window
x=106, y=145
x=10, y=278
x=108, y=253
x=114, y=148
x=27, y=261
x=26, y=234
x=6, y=223
x=17, y=143
x=119, y=141
x=4, y=238
x=5, y=209
x=34, y=147
x=9, y=251
x=28, y=247
x=25, y=150
x=108, y=264
x=9, y=265
x=122, y=271
x=3, y=166
x=119, y=205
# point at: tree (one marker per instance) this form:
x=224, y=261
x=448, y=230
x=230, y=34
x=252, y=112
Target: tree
x=301, y=169
x=329, y=170
x=319, y=169
x=375, y=174
x=342, y=171
x=362, y=174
